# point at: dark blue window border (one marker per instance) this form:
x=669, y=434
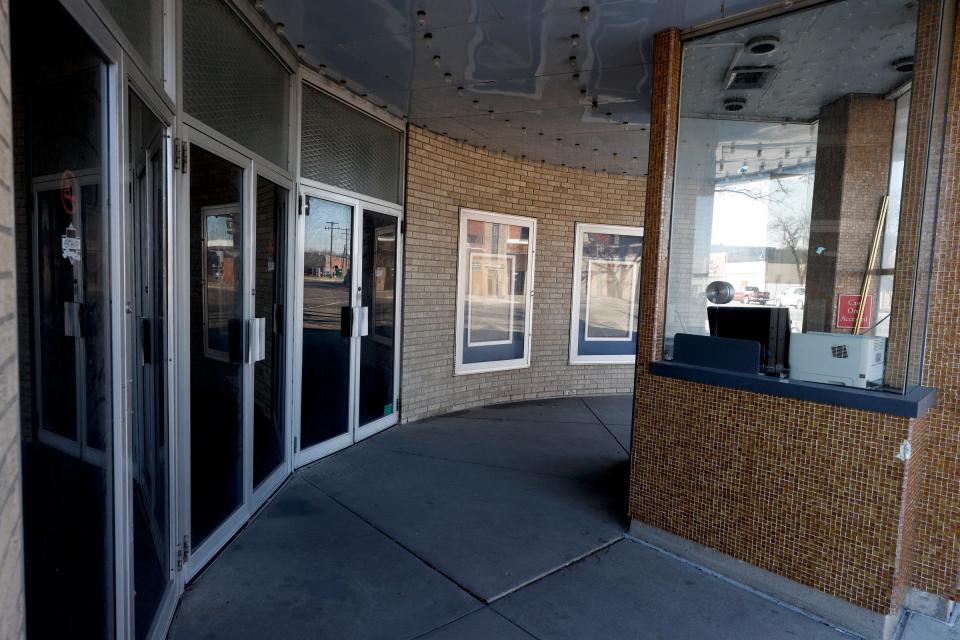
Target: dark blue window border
x=912, y=404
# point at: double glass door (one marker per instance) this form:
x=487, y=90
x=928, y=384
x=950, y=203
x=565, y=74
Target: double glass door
x=348, y=257
x=235, y=216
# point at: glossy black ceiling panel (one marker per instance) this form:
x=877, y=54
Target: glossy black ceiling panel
x=503, y=71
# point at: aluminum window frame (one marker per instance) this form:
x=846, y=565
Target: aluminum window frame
x=460, y=367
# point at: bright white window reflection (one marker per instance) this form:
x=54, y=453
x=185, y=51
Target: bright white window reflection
x=606, y=286
x=494, y=290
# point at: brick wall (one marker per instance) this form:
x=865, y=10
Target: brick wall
x=11, y=550
x=809, y=491
x=937, y=543
x=444, y=175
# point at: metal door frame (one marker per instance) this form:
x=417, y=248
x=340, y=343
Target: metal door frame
x=376, y=426
x=193, y=560
x=355, y=432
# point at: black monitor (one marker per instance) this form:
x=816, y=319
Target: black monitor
x=770, y=326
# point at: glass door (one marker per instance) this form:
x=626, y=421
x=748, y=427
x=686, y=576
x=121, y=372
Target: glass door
x=235, y=214
x=348, y=255
x=268, y=336
x=215, y=215
x=379, y=288
x=327, y=300
x=150, y=468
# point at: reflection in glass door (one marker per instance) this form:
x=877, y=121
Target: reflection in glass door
x=150, y=454
x=379, y=302
x=62, y=110
x=269, y=287
x=348, y=347
x=216, y=342
x=328, y=320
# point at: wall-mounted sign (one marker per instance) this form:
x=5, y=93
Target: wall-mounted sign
x=848, y=305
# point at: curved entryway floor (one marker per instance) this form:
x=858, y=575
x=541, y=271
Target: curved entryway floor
x=501, y=522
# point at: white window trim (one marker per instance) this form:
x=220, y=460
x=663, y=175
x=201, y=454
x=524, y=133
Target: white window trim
x=460, y=367
x=575, y=357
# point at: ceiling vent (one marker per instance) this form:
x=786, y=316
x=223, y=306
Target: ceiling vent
x=903, y=65
x=762, y=45
x=747, y=78
x=734, y=104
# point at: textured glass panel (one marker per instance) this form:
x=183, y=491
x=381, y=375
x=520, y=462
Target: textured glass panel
x=345, y=148
x=142, y=23
x=232, y=82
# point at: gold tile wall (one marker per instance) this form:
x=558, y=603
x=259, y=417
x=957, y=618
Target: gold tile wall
x=808, y=491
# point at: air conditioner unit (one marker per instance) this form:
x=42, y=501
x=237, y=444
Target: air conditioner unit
x=837, y=358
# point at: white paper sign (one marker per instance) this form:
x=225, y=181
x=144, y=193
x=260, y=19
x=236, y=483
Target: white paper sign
x=70, y=248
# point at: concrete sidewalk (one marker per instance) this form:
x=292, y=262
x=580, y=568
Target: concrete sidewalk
x=503, y=522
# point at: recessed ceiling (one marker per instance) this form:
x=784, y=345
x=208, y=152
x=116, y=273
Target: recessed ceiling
x=487, y=62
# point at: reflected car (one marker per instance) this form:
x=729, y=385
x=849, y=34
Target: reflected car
x=792, y=297
x=751, y=295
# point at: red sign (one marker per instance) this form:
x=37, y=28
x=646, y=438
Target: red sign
x=68, y=192
x=848, y=305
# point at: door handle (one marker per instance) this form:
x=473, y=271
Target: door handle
x=257, y=346
x=72, y=326
x=346, y=322
x=363, y=321
x=146, y=345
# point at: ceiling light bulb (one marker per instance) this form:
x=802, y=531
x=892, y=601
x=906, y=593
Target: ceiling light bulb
x=428, y=39
x=436, y=61
x=507, y=122
x=636, y=159
x=626, y=125
x=583, y=93
x=575, y=78
x=460, y=91
x=476, y=104
x=575, y=40
x=584, y=14
x=559, y=141
x=281, y=28
x=448, y=78
x=573, y=61
x=523, y=130
x=421, y=18
x=301, y=50
x=490, y=111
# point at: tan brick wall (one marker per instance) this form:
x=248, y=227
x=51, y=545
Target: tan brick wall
x=11, y=544
x=444, y=175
